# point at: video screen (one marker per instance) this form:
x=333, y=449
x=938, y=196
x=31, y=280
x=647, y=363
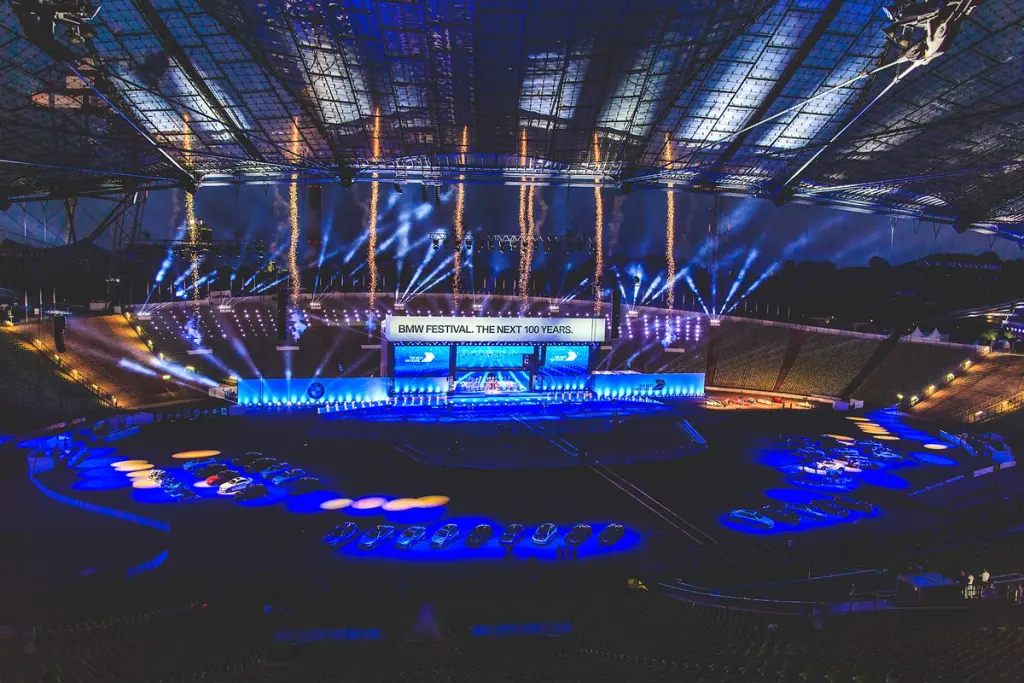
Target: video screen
x=492, y=382
x=566, y=360
x=471, y=357
x=422, y=361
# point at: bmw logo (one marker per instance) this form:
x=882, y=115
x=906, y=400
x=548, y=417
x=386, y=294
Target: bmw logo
x=315, y=391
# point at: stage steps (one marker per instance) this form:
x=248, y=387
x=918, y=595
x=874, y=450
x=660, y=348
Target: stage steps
x=796, y=342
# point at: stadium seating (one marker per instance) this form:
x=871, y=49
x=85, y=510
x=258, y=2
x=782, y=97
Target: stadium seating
x=991, y=379
x=35, y=391
x=826, y=364
x=609, y=637
x=751, y=355
x=909, y=369
x=162, y=644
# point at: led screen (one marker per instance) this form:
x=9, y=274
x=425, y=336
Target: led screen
x=470, y=357
x=493, y=382
x=566, y=360
x=422, y=361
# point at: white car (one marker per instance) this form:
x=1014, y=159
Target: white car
x=545, y=533
x=236, y=484
x=445, y=536
x=410, y=537
x=752, y=517
x=375, y=536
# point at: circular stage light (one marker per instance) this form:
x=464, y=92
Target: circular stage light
x=434, y=501
x=137, y=474
x=401, y=504
x=191, y=455
x=120, y=463
x=858, y=419
x=336, y=504
x=887, y=437
x=936, y=446
x=368, y=503
x=201, y=484
x=134, y=468
x=145, y=484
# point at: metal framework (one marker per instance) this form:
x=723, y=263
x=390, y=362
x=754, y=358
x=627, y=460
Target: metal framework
x=742, y=97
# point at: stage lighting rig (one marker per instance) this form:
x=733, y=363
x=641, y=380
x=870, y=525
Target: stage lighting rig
x=925, y=30
x=40, y=20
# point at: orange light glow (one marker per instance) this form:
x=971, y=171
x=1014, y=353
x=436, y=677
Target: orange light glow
x=369, y=503
x=936, y=446
x=837, y=437
x=401, y=504
x=434, y=501
x=190, y=455
x=133, y=468
x=336, y=504
x=145, y=484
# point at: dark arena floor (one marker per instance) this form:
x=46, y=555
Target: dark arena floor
x=430, y=466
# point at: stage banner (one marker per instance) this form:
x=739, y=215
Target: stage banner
x=422, y=361
x=411, y=328
x=311, y=390
x=666, y=385
x=566, y=360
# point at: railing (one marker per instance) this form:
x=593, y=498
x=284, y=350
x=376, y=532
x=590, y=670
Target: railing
x=1007, y=405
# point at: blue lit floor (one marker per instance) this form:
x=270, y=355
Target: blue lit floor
x=281, y=536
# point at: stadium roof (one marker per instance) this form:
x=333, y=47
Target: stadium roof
x=742, y=96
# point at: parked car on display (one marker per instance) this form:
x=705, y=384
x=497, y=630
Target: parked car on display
x=863, y=463
x=207, y=470
x=247, y=459
x=885, y=455
x=257, y=466
x=341, y=534
x=512, y=534
x=156, y=475
x=779, y=513
x=752, y=518
x=579, y=534
x=274, y=470
x=805, y=510
x=288, y=475
x=302, y=485
x=253, y=491
x=181, y=493
x=611, y=534
x=410, y=537
x=445, y=536
x=480, y=534
x=375, y=536
x=235, y=485
x=545, y=533
x=196, y=465
x=851, y=503
x=221, y=477
x=830, y=508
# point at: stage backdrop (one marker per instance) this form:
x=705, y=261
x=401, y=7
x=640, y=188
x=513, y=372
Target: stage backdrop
x=320, y=390
x=412, y=328
x=615, y=384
